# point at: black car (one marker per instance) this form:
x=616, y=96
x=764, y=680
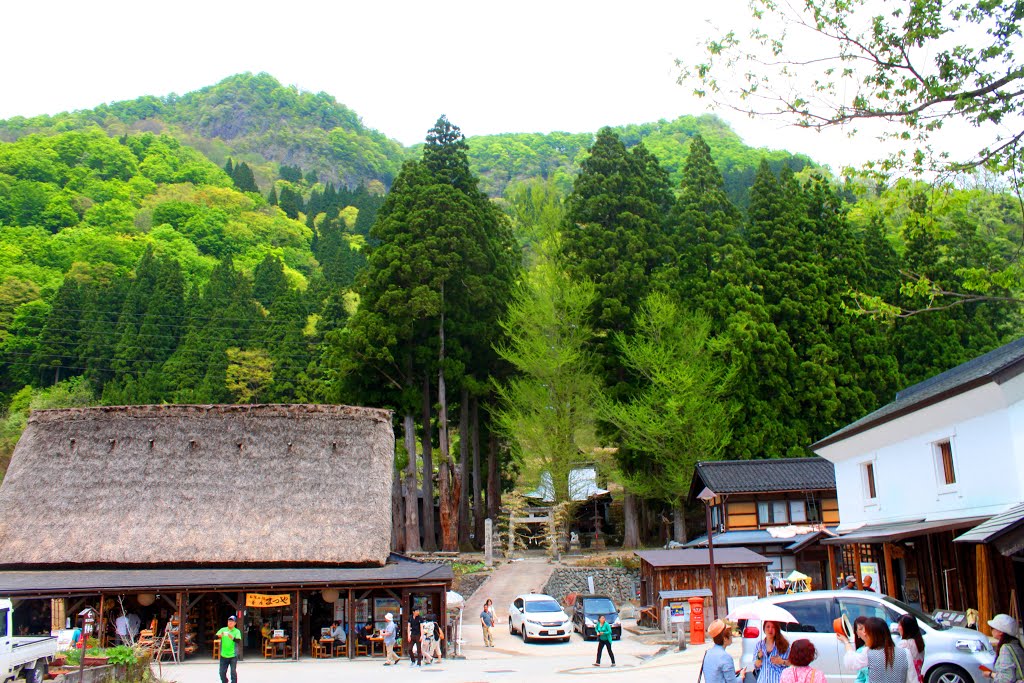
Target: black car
x=586, y=611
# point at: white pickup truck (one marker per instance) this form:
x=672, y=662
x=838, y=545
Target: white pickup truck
x=27, y=656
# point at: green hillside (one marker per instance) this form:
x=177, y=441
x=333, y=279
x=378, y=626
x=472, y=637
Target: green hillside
x=503, y=160
x=249, y=117
x=256, y=119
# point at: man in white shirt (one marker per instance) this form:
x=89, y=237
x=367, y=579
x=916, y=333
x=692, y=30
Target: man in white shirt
x=134, y=623
x=121, y=627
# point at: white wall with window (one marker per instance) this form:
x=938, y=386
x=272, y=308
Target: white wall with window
x=957, y=458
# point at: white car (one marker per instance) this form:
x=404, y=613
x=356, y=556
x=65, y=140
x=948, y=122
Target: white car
x=951, y=655
x=535, y=615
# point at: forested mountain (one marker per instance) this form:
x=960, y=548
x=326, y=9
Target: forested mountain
x=250, y=242
x=503, y=160
x=256, y=119
x=252, y=118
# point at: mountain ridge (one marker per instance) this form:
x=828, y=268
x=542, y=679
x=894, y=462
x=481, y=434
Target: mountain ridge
x=257, y=119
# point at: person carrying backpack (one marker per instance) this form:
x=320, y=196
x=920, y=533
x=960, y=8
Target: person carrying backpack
x=1009, y=665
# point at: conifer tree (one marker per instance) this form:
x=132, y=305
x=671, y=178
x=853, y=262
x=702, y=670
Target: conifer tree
x=269, y=280
x=614, y=235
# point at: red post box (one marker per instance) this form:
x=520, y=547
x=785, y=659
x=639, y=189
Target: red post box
x=696, y=621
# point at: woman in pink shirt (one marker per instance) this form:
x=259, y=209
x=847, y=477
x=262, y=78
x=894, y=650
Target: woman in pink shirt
x=801, y=654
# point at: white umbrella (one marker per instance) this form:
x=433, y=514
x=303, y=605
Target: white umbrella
x=762, y=611
x=797, y=576
x=454, y=600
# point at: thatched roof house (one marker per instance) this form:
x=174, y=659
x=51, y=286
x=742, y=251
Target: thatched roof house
x=185, y=485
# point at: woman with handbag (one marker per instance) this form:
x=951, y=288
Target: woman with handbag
x=801, y=654
x=1009, y=666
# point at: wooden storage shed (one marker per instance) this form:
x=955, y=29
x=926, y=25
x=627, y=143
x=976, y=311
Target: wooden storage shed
x=739, y=572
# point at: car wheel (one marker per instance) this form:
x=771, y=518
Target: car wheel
x=511, y=630
x=526, y=638
x=949, y=674
x=36, y=675
x=566, y=639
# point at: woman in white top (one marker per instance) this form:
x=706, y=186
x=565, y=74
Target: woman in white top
x=912, y=641
x=885, y=662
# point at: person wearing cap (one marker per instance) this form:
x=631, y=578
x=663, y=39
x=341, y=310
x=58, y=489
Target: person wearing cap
x=228, y=636
x=1009, y=666
x=851, y=583
x=719, y=666
x=389, y=639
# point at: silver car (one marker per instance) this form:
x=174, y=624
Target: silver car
x=951, y=655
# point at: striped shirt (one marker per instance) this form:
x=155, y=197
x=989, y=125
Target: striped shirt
x=770, y=673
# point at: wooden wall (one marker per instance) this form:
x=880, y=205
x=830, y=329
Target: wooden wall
x=733, y=581
x=741, y=515
x=741, y=509
x=830, y=511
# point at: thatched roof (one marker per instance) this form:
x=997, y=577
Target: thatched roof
x=199, y=485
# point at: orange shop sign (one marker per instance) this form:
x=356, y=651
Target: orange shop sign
x=261, y=600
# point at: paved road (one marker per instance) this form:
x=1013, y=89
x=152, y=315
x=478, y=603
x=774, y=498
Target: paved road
x=546, y=665
x=508, y=580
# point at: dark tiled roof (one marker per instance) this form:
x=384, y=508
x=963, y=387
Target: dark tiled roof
x=994, y=527
x=759, y=476
x=995, y=366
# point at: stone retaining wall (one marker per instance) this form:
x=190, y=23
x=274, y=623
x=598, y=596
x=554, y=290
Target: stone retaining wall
x=617, y=583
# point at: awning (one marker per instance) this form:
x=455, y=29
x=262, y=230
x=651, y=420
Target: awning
x=897, y=531
x=1001, y=530
x=399, y=573
x=683, y=595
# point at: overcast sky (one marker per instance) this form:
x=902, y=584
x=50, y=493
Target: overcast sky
x=491, y=67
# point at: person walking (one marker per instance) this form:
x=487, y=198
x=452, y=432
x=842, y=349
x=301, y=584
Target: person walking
x=229, y=636
x=487, y=622
x=718, y=665
x=604, y=639
x=389, y=640
x=801, y=654
x=1009, y=665
x=885, y=662
x=770, y=654
x=912, y=641
x=414, y=636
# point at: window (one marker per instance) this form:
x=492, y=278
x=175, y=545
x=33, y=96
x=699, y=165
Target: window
x=772, y=512
x=854, y=608
x=813, y=510
x=716, y=516
x=814, y=616
x=944, y=463
x=797, y=511
x=779, y=510
x=3, y=623
x=868, y=472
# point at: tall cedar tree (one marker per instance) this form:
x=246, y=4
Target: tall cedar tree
x=613, y=236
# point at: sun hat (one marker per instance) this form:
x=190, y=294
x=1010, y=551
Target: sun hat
x=716, y=627
x=1004, y=623
x=389, y=616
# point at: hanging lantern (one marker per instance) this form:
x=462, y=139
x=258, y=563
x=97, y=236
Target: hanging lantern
x=329, y=594
x=146, y=599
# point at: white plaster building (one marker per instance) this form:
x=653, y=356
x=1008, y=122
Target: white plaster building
x=946, y=455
